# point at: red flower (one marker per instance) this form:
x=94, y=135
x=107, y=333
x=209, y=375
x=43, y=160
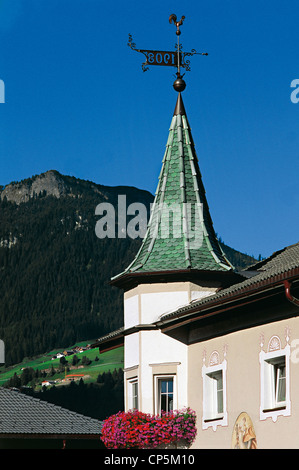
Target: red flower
x=136, y=429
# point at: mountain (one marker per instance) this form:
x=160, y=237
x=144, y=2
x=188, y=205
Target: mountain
x=50, y=183
x=54, y=270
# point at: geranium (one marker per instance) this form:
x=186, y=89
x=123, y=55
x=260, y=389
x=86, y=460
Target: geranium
x=138, y=430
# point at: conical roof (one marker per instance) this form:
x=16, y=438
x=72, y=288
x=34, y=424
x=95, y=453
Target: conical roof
x=180, y=236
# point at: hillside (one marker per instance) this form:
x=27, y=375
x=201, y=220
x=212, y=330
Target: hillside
x=54, y=271
x=57, y=368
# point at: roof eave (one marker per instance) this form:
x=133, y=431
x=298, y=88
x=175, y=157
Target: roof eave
x=130, y=280
x=216, y=305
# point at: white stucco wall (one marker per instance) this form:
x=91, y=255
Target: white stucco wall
x=161, y=355
x=131, y=358
x=149, y=353
x=154, y=304
x=131, y=311
x=146, y=303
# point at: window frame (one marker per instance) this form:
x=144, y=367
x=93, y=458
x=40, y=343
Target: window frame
x=270, y=363
x=279, y=378
x=133, y=386
x=212, y=416
x=157, y=391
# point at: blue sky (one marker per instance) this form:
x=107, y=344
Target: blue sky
x=76, y=100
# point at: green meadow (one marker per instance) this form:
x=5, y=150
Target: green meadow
x=95, y=363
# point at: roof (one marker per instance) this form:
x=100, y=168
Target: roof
x=180, y=233
x=109, y=336
x=21, y=414
x=262, y=276
x=280, y=261
x=283, y=264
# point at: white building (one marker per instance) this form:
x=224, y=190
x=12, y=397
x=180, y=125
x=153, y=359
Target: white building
x=199, y=334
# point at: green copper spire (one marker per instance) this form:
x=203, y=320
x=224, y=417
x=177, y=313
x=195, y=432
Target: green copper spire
x=180, y=235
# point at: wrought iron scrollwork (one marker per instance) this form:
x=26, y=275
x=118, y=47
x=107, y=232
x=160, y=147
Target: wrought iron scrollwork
x=132, y=45
x=175, y=58
x=186, y=63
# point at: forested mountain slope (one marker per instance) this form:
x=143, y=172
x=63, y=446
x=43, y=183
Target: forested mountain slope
x=54, y=270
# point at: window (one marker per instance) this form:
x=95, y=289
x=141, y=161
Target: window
x=166, y=394
x=280, y=382
x=216, y=385
x=214, y=396
x=133, y=394
x=275, y=393
x=275, y=382
x=165, y=398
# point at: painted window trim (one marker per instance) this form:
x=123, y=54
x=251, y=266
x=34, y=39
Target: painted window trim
x=284, y=409
x=217, y=420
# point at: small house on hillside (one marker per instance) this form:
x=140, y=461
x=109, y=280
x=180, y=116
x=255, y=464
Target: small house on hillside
x=47, y=383
x=69, y=352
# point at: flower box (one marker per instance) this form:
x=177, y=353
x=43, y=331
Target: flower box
x=138, y=430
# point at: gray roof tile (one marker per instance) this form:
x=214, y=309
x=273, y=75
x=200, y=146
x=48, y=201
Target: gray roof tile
x=279, y=263
x=22, y=414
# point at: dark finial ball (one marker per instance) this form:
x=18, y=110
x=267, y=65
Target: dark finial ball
x=179, y=85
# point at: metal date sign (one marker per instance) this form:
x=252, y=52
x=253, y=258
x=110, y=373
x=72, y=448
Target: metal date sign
x=175, y=58
x=161, y=57
x=168, y=58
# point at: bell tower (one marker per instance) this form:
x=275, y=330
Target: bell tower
x=180, y=260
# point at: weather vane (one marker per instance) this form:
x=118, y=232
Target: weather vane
x=169, y=58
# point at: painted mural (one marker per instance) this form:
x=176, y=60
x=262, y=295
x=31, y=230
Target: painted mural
x=243, y=434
